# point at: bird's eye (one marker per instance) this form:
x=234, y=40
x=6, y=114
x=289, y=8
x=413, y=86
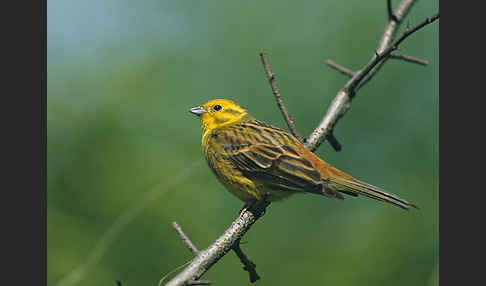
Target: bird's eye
x=217, y=107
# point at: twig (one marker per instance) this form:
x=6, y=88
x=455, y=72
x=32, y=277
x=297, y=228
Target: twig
x=391, y=15
x=340, y=68
x=192, y=248
x=281, y=106
x=388, y=35
x=208, y=257
x=248, y=265
x=403, y=57
x=352, y=85
x=409, y=59
x=342, y=102
x=333, y=141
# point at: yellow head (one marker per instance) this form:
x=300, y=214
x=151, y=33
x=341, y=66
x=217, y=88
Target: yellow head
x=219, y=112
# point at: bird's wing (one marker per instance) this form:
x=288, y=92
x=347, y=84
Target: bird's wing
x=268, y=155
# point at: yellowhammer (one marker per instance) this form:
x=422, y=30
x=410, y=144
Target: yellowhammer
x=252, y=158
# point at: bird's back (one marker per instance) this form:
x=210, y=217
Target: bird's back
x=273, y=160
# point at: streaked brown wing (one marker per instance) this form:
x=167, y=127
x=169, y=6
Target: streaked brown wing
x=265, y=154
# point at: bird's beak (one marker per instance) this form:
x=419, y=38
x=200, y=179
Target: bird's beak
x=198, y=110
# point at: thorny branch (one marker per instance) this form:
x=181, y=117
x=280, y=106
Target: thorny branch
x=230, y=239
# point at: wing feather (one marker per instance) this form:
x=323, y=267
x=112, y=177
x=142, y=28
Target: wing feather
x=264, y=153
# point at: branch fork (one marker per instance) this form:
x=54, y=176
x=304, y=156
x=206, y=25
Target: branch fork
x=230, y=240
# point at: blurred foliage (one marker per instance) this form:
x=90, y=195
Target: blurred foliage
x=121, y=77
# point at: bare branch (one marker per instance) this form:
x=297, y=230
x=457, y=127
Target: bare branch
x=192, y=248
x=281, y=106
x=353, y=84
x=333, y=141
x=403, y=57
x=208, y=257
x=248, y=265
x=342, y=102
x=388, y=35
x=409, y=59
x=391, y=15
x=340, y=68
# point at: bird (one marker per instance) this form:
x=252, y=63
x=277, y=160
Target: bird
x=255, y=160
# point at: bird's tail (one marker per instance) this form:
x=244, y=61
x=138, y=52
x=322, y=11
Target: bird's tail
x=355, y=187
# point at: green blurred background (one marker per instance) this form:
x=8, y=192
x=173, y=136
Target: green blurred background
x=124, y=157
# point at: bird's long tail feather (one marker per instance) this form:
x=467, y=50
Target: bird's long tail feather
x=355, y=187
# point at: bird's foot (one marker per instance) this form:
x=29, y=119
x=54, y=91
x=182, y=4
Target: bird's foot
x=260, y=203
x=247, y=206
